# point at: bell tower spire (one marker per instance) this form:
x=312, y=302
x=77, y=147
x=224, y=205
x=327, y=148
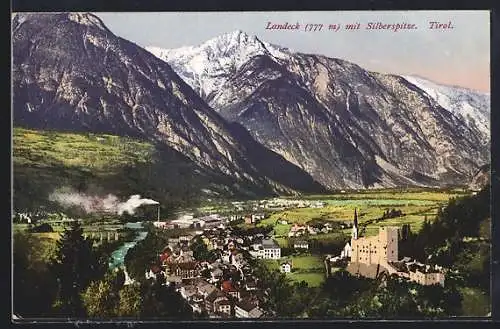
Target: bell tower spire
x=354, y=234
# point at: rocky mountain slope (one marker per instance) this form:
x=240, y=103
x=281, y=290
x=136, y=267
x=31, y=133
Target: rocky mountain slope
x=473, y=107
x=481, y=178
x=71, y=73
x=347, y=127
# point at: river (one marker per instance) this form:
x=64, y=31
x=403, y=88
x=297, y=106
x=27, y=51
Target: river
x=118, y=256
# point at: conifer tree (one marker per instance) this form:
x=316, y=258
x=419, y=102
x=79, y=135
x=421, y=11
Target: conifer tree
x=74, y=266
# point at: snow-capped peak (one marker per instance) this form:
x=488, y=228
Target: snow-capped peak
x=472, y=106
x=207, y=66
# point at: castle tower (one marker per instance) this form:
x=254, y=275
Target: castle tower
x=354, y=234
x=388, y=239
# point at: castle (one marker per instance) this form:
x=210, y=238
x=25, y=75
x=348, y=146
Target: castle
x=371, y=256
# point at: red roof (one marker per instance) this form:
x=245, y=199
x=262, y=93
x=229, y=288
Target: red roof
x=155, y=269
x=164, y=256
x=227, y=286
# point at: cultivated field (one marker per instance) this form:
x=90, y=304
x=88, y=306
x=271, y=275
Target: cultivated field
x=416, y=205
x=309, y=268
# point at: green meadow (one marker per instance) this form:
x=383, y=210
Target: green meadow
x=415, y=204
x=309, y=268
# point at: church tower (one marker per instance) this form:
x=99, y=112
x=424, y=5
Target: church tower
x=354, y=233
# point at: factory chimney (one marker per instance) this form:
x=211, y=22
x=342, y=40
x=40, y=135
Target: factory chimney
x=158, y=212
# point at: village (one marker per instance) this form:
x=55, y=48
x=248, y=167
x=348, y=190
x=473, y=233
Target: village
x=226, y=285
x=210, y=259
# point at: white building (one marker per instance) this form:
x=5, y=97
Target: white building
x=182, y=223
x=159, y=224
x=301, y=245
x=317, y=204
x=270, y=249
x=259, y=216
x=286, y=267
x=347, y=251
x=247, y=310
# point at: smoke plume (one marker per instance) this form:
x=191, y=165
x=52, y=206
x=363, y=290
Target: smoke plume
x=96, y=204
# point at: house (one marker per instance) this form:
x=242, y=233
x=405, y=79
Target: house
x=226, y=257
x=230, y=290
x=198, y=224
x=215, y=299
x=188, y=291
x=162, y=225
x=217, y=243
x=216, y=273
x=205, y=288
x=312, y=230
x=286, y=267
x=210, y=221
x=250, y=285
x=185, y=238
x=183, y=270
x=153, y=272
x=185, y=256
x=246, y=309
x=258, y=216
x=197, y=307
x=256, y=245
x=182, y=223
x=172, y=279
x=238, y=259
x=249, y=220
x=297, y=230
x=223, y=307
x=317, y=204
x=347, y=251
x=301, y=244
x=173, y=240
x=213, y=223
x=334, y=260
x=271, y=249
x=424, y=274
x=165, y=256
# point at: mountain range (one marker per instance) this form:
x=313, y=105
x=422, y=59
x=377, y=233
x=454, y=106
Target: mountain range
x=255, y=118
x=346, y=126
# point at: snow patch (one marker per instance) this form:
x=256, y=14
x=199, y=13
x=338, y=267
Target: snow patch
x=473, y=107
x=208, y=66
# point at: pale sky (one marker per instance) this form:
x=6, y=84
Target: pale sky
x=458, y=56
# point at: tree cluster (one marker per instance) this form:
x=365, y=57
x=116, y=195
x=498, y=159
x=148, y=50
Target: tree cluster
x=344, y=295
x=201, y=252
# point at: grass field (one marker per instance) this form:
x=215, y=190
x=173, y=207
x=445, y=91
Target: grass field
x=312, y=279
x=395, y=194
x=90, y=151
x=307, y=268
x=415, y=204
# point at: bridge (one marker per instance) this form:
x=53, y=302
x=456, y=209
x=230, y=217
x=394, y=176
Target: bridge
x=100, y=233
